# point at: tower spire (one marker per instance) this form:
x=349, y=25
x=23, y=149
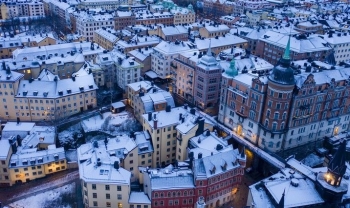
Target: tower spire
x=209, y=49
x=286, y=54
x=337, y=166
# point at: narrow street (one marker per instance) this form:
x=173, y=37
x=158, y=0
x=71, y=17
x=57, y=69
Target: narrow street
x=21, y=191
x=240, y=196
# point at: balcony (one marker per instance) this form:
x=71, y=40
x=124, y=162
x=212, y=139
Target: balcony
x=173, y=72
x=189, y=82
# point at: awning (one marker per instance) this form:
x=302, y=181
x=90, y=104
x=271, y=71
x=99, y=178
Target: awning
x=151, y=74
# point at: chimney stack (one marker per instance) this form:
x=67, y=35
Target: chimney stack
x=155, y=122
x=180, y=116
x=193, y=111
x=149, y=116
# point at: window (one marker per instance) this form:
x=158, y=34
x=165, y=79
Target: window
x=108, y=196
x=94, y=195
x=108, y=204
x=119, y=188
x=107, y=187
x=250, y=124
x=93, y=186
x=119, y=196
x=95, y=203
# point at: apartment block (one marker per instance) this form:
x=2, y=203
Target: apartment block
x=18, y=165
x=106, y=38
x=272, y=44
x=297, y=108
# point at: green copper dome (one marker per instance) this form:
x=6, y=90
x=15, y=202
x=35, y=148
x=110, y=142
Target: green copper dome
x=283, y=73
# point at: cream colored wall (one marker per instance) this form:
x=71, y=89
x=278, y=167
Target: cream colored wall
x=36, y=109
x=181, y=150
x=132, y=167
x=101, y=195
x=27, y=171
x=3, y=167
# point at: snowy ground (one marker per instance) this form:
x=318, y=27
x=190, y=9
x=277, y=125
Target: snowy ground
x=105, y=123
x=62, y=197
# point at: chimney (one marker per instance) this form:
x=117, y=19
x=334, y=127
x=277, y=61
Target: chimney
x=18, y=120
x=19, y=140
x=154, y=90
x=185, y=106
x=200, y=155
x=200, y=129
x=193, y=111
x=167, y=89
x=116, y=165
x=14, y=147
x=149, y=116
x=180, y=116
x=168, y=108
x=182, y=119
x=155, y=122
x=141, y=93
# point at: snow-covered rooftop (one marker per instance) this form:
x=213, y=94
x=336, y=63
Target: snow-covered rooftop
x=312, y=43
x=54, y=89
x=169, y=178
x=173, y=118
x=139, y=198
x=4, y=148
x=28, y=157
x=229, y=39
x=96, y=162
x=215, y=164
x=208, y=144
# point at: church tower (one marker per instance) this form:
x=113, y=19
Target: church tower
x=330, y=184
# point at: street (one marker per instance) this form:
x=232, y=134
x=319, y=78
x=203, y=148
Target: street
x=241, y=195
x=18, y=192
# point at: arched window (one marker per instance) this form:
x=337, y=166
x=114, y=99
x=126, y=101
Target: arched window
x=174, y=194
x=268, y=112
x=178, y=193
x=155, y=195
x=282, y=125
x=284, y=115
x=274, y=126
x=185, y=193
x=169, y=194
x=276, y=116
x=266, y=123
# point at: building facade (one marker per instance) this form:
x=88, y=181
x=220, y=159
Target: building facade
x=295, y=109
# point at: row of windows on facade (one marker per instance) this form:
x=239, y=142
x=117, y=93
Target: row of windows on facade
x=107, y=187
x=48, y=108
x=210, y=88
x=173, y=202
x=209, y=97
x=108, y=204
x=39, y=166
x=300, y=138
x=40, y=172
